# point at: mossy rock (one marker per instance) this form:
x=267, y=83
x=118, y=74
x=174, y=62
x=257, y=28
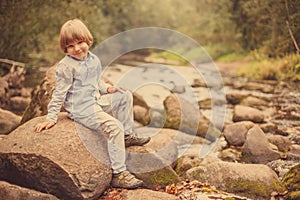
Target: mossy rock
x=185, y=163
x=253, y=189
x=292, y=182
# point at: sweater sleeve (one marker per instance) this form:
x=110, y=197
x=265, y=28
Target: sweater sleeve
x=64, y=80
x=101, y=84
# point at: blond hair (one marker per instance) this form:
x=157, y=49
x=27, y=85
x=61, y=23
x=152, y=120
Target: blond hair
x=74, y=30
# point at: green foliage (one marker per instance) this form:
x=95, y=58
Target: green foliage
x=225, y=28
x=262, y=25
x=231, y=57
x=168, y=56
x=286, y=68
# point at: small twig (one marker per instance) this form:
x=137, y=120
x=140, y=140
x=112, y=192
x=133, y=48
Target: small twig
x=289, y=28
x=12, y=62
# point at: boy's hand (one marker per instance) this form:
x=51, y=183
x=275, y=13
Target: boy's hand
x=113, y=89
x=44, y=125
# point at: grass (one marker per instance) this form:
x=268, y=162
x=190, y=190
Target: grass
x=285, y=69
x=260, y=67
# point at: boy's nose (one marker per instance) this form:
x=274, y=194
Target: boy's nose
x=76, y=47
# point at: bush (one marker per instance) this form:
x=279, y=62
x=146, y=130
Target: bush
x=286, y=68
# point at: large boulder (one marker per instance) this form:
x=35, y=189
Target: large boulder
x=257, y=148
x=184, y=116
x=55, y=161
x=255, y=181
x=13, y=192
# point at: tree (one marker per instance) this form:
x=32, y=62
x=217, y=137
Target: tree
x=263, y=26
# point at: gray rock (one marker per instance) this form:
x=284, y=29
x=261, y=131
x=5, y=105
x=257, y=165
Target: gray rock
x=150, y=167
x=141, y=114
x=268, y=127
x=258, y=86
x=54, y=161
x=229, y=154
x=294, y=152
x=235, y=134
x=283, y=143
x=184, y=116
x=291, y=181
x=18, y=103
x=139, y=194
x=163, y=142
x=254, y=102
x=245, y=113
x=235, y=97
x=237, y=178
x=13, y=192
x=257, y=149
x=157, y=117
x=8, y=121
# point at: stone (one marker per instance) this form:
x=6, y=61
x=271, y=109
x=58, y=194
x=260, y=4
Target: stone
x=257, y=149
x=185, y=163
x=245, y=113
x=8, y=121
x=254, y=102
x=184, y=116
x=13, y=192
x=150, y=167
x=141, y=115
x=3, y=89
x=235, y=97
x=259, y=86
x=157, y=118
x=283, y=143
x=235, y=134
x=294, y=152
x=291, y=180
x=146, y=195
x=164, y=142
x=139, y=100
x=137, y=194
x=55, y=161
x=198, y=83
x=268, y=127
x=255, y=181
x=41, y=96
x=231, y=155
x=18, y=104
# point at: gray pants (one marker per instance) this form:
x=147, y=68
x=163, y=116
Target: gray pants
x=115, y=121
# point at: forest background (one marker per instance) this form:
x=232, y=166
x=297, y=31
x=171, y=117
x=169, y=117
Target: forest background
x=265, y=33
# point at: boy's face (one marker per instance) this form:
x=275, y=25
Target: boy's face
x=78, y=49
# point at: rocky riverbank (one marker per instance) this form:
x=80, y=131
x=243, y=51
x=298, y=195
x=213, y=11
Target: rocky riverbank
x=254, y=156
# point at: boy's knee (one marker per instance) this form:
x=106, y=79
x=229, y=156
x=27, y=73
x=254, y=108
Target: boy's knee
x=128, y=95
x=113, y=125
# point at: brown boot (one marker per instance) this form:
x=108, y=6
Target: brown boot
x=132, y=140
x=125, y=180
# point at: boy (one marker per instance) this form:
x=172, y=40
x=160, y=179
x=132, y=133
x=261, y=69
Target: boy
x=89, y=100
